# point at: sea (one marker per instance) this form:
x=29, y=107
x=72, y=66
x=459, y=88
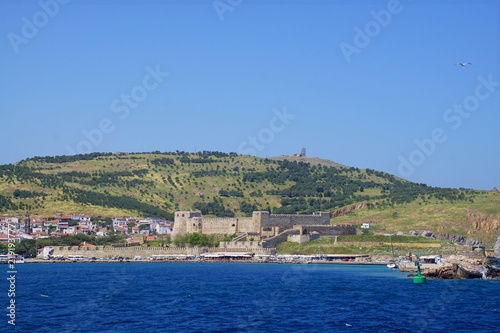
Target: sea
x=240, y=297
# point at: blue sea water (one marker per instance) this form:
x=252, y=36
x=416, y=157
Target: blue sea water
x=234, y=297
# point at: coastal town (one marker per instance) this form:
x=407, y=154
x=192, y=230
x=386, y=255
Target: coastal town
x=254, y=240
x=17, y=228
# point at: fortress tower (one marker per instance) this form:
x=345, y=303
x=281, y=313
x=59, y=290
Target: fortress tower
x=184, y=218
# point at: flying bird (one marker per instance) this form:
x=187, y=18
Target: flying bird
x=462, y=64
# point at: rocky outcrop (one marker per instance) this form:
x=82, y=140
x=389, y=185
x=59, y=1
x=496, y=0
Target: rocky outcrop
x=447, y=237
x=345, y=210
x=486, y=222
x=444, y=273
x=428, y=234
x=470, y=271
x=424, y=233
x=452, y=238
x=462, y=270
x=493, y=272
x=496, y=248
x=473, y=242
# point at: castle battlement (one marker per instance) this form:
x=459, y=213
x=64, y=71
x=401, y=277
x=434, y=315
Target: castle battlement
x=225, y=219
x=298, y=215
x=188, y=222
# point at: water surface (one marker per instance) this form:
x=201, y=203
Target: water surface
x=231, y=297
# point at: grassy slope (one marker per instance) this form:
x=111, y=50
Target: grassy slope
x=402, y=245
x=189, y=189
x=433, y=215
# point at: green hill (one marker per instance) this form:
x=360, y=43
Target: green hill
x=220, y=184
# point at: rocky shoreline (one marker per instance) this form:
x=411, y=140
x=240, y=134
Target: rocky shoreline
x=464, y=269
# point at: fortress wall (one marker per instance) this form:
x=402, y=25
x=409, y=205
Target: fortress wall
x=284, y=221
x=193, y=224
x=124, y=252
x=239, y=244
x=289, y=220
x=246, y=224
x=336, y=230
x=302, y=238
x=283, y=237
x=226, y=226
x=186, y=221
x=260, y=220
x=145, y=252
x=181, y=220
x=216, y=226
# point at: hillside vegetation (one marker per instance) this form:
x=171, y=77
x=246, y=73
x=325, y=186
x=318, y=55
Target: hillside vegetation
x=225, y=185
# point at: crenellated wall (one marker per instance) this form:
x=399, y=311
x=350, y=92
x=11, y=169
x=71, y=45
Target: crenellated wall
x=226, y=226
x=145, y=252
x=282, y=237
x=303, y=233
x=288, y=221
x=260, y=222
x=239, y=244
x=330, y=230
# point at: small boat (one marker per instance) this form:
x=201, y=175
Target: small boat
x=8, y=259
x=19, y=260
x=392, y=264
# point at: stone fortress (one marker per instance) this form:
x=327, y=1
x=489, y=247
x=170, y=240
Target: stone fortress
x=262, y=229
x=259, y=234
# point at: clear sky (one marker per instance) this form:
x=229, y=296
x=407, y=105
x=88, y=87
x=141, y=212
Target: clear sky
x=369, y=84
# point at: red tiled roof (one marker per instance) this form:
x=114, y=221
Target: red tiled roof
x=85, y=244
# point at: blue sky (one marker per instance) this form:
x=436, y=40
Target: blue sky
x=369, y=84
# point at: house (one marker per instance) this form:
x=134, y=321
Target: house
x=121, y=229
x=165, y=229
x=153, y=227
x=66, y=218
x=119, y=222
x=62, y=225
x=38, y=235
x=52, y=223
x=5, y=239
x=85, y=230
x=366, y=225
x=85, y=218
x=102, y=233
x=86, y=244
x=150, y=220
x=85, y=224
x=38, y=229
x=6, y=219
x=23, y=235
